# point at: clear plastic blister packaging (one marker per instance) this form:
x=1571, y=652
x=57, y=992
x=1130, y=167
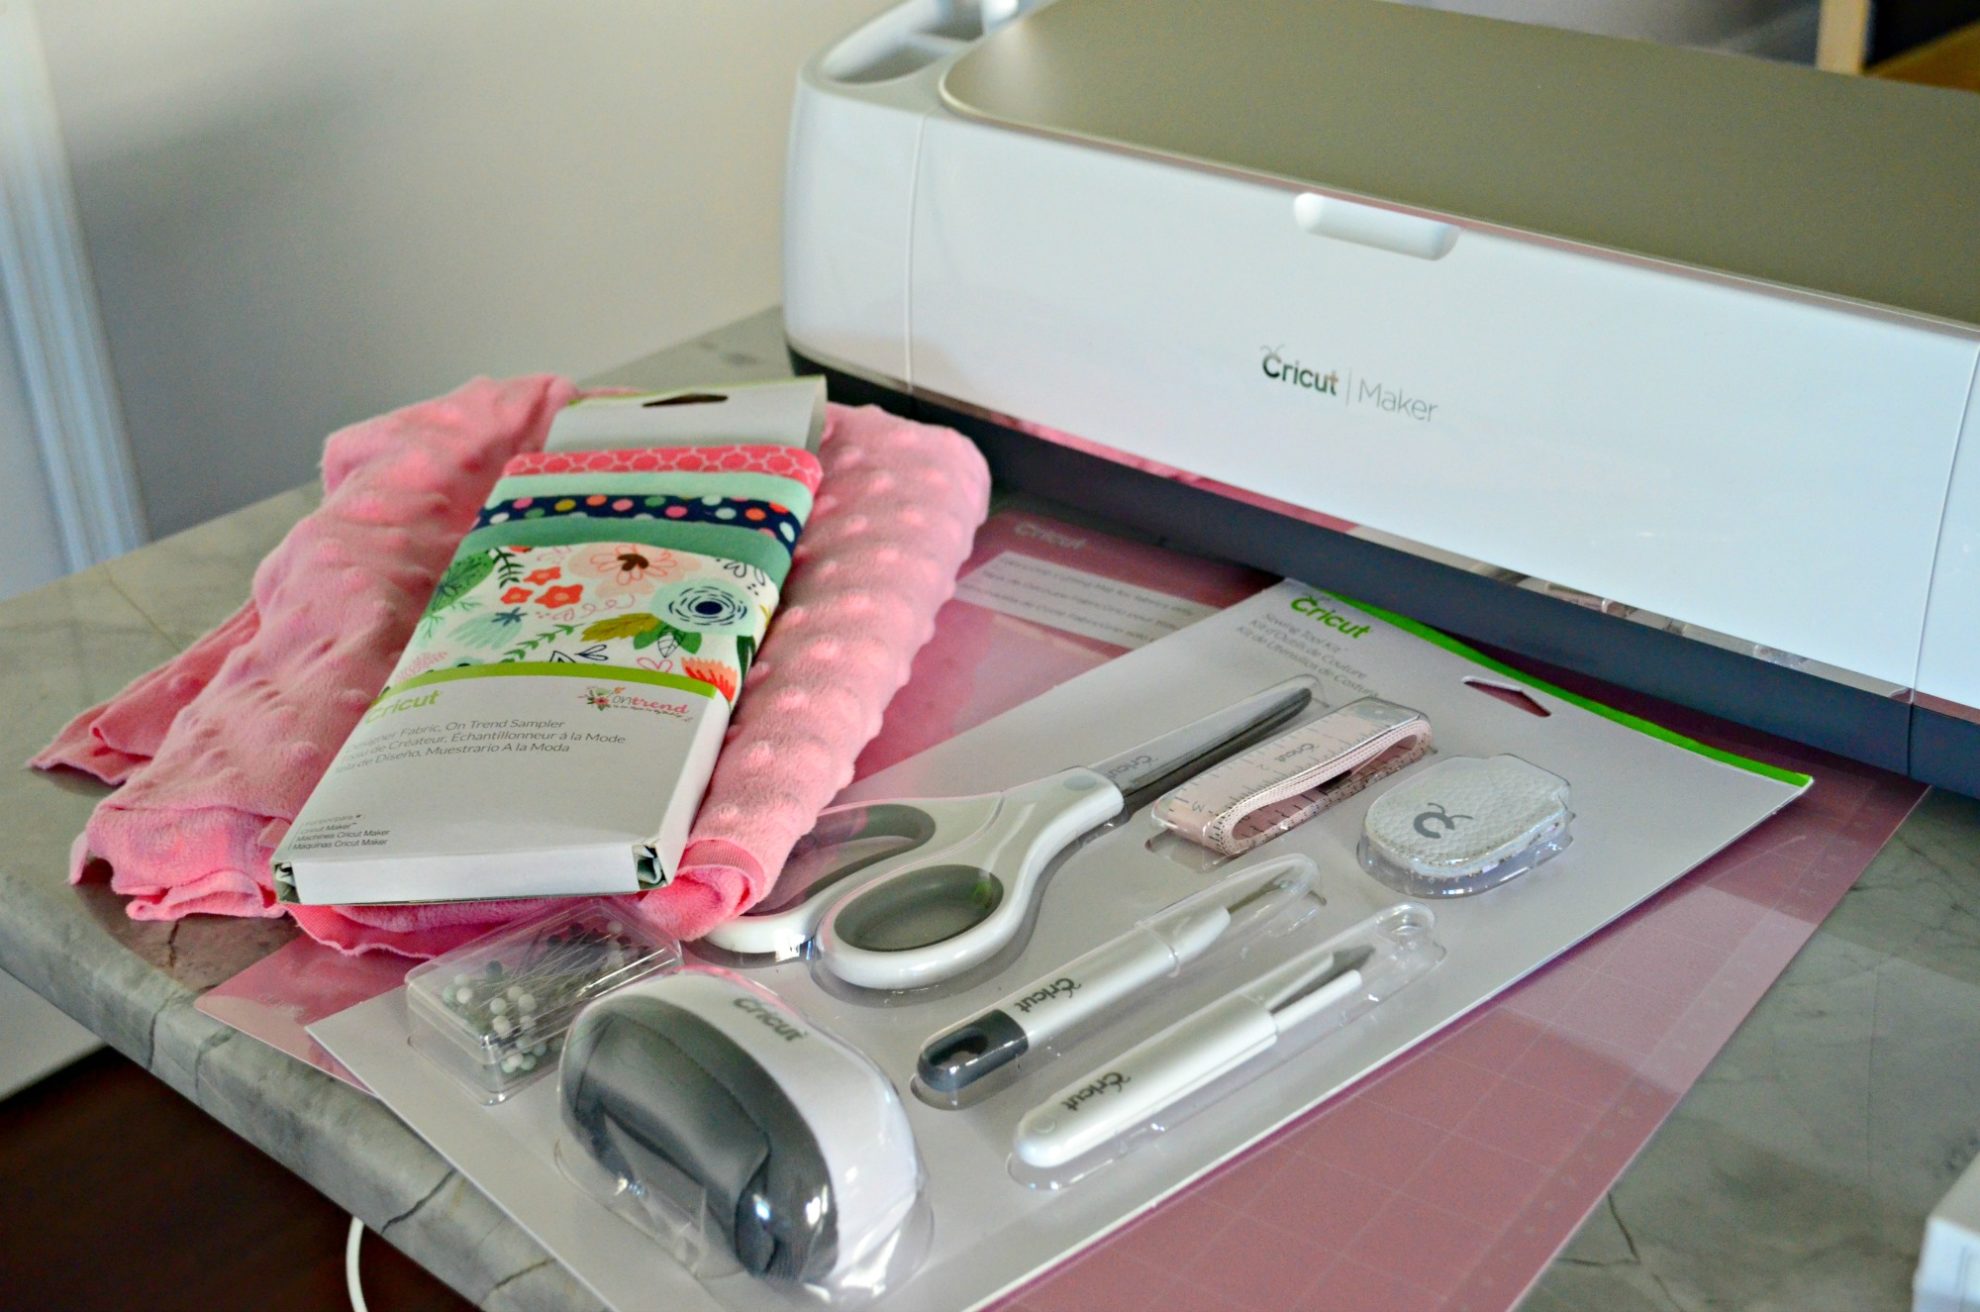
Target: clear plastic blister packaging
x=749, y=1141
x=1464, y=825
x=493, y=1012
x=1010, y=993
x=1134, y=1096
x=969, y=1060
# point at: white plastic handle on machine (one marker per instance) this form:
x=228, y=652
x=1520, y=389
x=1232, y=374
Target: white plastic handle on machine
x=954, y=905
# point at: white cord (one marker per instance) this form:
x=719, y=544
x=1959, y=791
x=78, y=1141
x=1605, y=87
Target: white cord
x=351, y=1281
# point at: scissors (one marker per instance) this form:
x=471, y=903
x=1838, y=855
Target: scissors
x=901, y=894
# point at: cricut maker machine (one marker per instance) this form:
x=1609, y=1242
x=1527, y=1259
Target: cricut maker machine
x=1654, y=363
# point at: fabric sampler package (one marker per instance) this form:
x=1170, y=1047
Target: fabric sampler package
x=552, y=724
x=212, y=755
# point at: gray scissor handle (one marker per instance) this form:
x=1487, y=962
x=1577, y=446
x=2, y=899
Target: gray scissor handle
x=849, y=847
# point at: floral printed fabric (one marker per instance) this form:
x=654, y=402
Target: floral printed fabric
x=745, y=546
x=668, y=559
x=596, y=603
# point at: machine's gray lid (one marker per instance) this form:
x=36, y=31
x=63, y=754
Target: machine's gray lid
x=1836, y=185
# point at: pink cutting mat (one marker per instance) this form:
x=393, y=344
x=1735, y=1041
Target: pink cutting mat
x=295, y=986
x=983, y=661
x=1472, y=1160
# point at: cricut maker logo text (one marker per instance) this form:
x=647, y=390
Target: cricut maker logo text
x=1277, y=367
x=1348, y=390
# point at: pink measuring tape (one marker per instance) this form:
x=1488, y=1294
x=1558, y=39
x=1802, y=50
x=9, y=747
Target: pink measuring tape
x=1286, y=781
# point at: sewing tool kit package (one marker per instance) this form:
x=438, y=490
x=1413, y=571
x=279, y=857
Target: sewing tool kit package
x=555, y=718
x=1013, y=991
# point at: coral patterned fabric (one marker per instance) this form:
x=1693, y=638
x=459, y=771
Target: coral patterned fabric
x=785, y=462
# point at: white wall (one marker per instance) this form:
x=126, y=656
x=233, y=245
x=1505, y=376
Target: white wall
x=30, y=547
x=301, y=212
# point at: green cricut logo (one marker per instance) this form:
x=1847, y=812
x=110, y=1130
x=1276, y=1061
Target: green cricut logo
x=1319, y=612
x=393, y=707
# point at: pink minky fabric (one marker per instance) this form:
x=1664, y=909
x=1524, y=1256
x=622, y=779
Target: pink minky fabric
x=217, y=750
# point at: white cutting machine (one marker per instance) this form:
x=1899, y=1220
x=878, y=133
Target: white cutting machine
x=1654, y=363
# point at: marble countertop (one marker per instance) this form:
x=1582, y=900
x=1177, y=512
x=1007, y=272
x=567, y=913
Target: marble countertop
x=1796, y=1175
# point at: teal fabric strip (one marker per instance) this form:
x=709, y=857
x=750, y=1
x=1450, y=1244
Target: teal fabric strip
x=743, y=544
x=745, y=484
